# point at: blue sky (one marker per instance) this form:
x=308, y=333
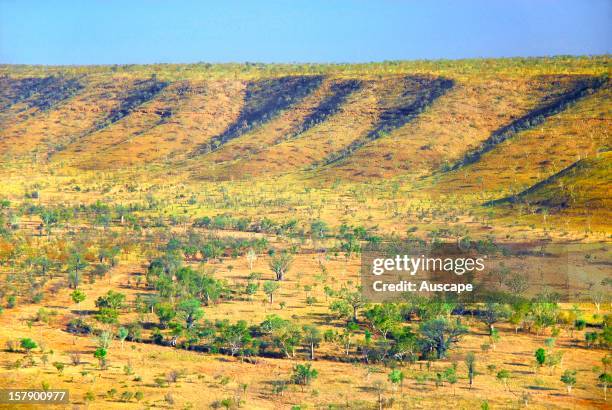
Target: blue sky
x=156, y=31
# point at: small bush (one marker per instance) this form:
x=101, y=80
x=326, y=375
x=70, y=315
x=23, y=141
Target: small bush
x=169, y=398
x=126, y=396
x=59, y=366
x=11, y=346
x=75, y=358
x=173, y=376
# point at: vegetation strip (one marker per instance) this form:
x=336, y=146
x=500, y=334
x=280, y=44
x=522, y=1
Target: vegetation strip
x=39, y=93
x=582, y=88
x=264, y=99
x=330, y=105
x=583, y=164
x=142, y=92
x=401, y=113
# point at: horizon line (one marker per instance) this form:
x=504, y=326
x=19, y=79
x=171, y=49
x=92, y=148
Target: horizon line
x=256, y=63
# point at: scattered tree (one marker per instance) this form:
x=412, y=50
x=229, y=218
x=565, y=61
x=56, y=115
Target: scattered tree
x=101, y=354
x=540, y=356
x=440, y=335
x=270, y=289
x=503, y=376
x=605, y=379
x=470, y=363
x=77, y=296
x=569, y=379
x=312, y=337
x=281, y=264
x=122, y=333
x=304, y=374
x=28, y=344
x=397, y=378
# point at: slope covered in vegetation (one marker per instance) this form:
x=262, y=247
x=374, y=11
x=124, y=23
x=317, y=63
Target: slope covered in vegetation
x=263, y=100
x=454, y=122
x=580, y=131
x=312, y=109
x=551, y=104
x=101, y=103
x=581, y=190
x=23, y=98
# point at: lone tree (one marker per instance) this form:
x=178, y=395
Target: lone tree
x=569, y=379
x=270, y=288
x=122, y=333
x=591, y=338
x=540, y=356
x=304, y=374
x=28, y=344
x=76, y=263
x=470, y=363
x=318, y=231
x=379, y=388
x=77, y=296
x=281, y=264
x=191, y=311
x=607, y=361
x=165, y=313
x=312, y=337
x=450, y=374
x=495, y=338
x=112, y=300
x=383, y=318
x=492, y=313
x=605, y=379
x=440, y=335
x=101, y=354
x=49, y=219
x=503, y=376
x=397, y=378
x=251, y=256
x=348, y=304
x=59, y=366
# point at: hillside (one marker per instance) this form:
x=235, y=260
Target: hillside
x=582, y=190
x=492, y=127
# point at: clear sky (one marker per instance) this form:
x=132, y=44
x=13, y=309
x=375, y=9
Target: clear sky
x=182, y=31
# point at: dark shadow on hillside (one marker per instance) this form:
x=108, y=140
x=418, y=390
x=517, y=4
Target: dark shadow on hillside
x=36, y=93
x=137, y=94
x=551, y=104
x=418, y=93
x=83, y=312
x=141, y=92
x=263, y=100
x=39, y=93
x=328, y=106
x=588, y=166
